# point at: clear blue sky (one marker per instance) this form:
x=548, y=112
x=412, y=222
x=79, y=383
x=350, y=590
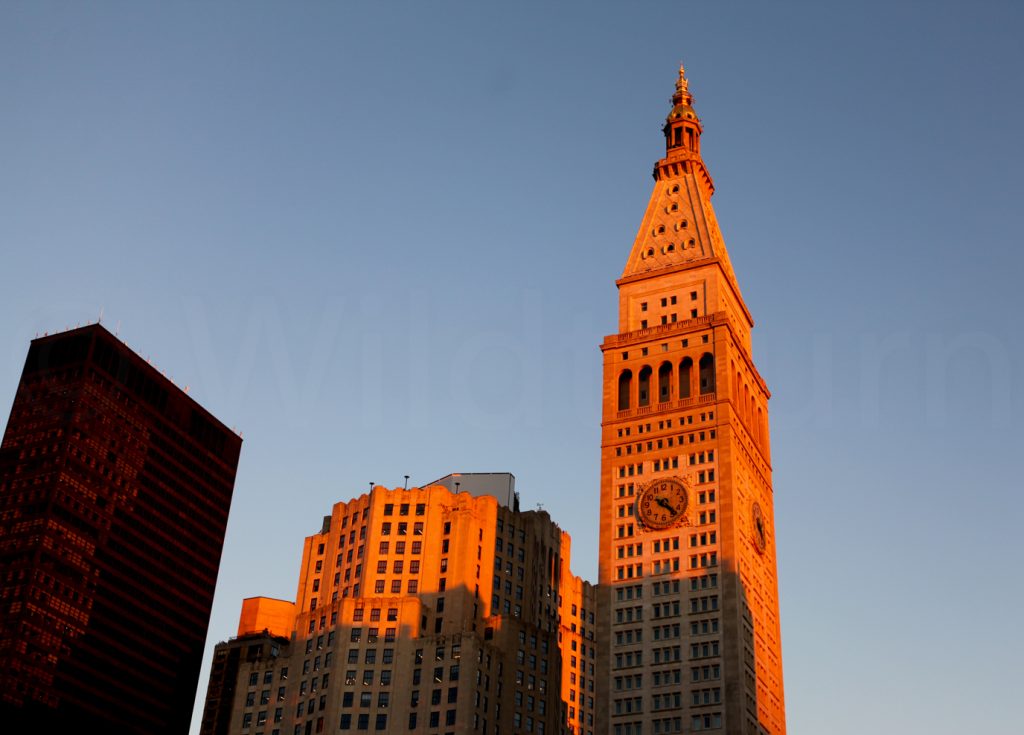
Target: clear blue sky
x=381, y=239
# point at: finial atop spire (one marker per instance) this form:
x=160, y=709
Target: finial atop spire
x=682, y=95
x=682, y=85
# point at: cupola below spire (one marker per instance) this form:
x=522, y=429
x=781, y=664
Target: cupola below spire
x=682, y=127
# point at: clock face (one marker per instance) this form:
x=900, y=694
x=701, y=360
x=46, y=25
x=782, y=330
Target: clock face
x=662, y=503
x=759, y=528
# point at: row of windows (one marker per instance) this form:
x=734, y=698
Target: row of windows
x=703, y=627
x=669, y=300
x=666, y=424
x=412, y=587
x=398, y=566
x=403, y=509
x=363, y=722
x=370, y=655
x=667, y=632
x=672, y=317
x=400, y=546
x=703, y=539
x=402, y=528
x=372, y=635
x=704, y=650
x=666, y=609
x=701, y=561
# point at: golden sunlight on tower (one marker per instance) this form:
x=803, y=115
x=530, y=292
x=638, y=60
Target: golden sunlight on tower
x=688, y=597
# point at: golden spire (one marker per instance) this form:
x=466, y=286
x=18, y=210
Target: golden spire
x=682, y=86
x=682, y=95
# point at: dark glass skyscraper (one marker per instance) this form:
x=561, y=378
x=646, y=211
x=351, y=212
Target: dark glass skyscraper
x=115, y=488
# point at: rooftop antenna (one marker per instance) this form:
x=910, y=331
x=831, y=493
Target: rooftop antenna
x=406, y=482
x=371, y=486
x=117, y=329
x=100, y=320
x=540, y=506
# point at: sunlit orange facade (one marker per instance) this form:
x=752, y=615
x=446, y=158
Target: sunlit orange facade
x=423, y=610
x=688, y=597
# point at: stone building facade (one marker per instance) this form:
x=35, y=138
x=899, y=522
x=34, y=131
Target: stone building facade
x=422, y=610
x=689, y=612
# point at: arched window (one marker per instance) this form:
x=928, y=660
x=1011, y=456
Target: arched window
x=625, y=388
x=707, y=373
x=685, y=373
x=645, y=386
x=664, y=382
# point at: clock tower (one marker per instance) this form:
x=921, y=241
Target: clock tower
x=689, y=613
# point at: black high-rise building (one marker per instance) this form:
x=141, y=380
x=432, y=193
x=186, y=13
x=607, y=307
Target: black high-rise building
x=115, y=488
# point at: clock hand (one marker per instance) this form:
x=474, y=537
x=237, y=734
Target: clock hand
x=665, y=504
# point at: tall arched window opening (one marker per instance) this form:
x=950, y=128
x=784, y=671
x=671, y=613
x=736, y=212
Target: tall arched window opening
x=664, y=382
x=685, y=376
x=625, y=389
x=644, y=397
x=707, y=373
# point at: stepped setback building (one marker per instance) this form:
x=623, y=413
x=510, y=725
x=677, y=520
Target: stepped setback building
x=115, y=488
x=689, y=616
x=428, y=610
